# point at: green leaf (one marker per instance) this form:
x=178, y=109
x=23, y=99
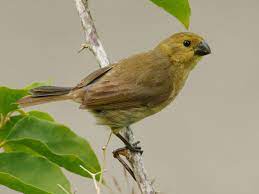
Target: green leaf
x=57, y=143
x=41, y=115
x=8, y=99
x=37, y=84
x=178, y=8
x=31, y=174
x=5, y=130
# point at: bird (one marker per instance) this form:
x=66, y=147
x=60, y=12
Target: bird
x=133, y=88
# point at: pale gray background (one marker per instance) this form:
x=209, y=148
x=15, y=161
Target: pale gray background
x=207, y=141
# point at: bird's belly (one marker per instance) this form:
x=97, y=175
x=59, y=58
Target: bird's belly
x=120, y=118
x=117, y=119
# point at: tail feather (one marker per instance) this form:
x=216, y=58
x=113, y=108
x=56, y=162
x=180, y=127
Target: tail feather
x=45, y=94
x=49, y=91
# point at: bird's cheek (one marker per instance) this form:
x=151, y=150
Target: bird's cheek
x=194, y=62
x=188, y=56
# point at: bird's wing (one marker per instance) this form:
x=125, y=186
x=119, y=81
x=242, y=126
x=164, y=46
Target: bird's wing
x=93, y=77
x=122, y=96
x=135, y=82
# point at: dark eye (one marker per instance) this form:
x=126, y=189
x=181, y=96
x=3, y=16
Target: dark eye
x=187, y=43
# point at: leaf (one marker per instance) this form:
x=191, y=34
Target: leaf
x=37, y=84
x=57, y=143
x=31, y=174
x=37, y=132
x=178, y=8
x=41, y=115
x=9, y=97
x=5, y=130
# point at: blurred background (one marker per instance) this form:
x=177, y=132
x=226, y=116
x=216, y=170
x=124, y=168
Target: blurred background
x=207, y=141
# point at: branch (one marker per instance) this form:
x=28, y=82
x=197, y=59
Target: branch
x=94, y=44
x=92, y=40
x=137, y=163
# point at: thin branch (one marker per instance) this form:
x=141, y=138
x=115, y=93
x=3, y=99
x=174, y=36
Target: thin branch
x=91, y=37
x=137, y=163
x=96, y=184
x=93, y=42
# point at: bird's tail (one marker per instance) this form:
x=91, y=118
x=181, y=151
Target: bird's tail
x=45, y=94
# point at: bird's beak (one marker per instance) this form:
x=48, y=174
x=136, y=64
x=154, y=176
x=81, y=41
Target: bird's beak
x=202, y=49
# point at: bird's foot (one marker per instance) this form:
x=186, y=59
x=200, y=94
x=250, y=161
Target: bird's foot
x=132, y=147
x=125, y=152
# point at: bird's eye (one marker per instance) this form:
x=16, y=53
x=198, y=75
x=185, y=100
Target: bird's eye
x=187, y=43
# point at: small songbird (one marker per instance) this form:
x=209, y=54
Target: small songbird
x=133, y=88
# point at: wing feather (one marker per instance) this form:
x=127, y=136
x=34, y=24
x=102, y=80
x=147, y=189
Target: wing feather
x=145, y=84
x=93, y=77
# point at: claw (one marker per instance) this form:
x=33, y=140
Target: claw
x=132, y=147
x=136, y=143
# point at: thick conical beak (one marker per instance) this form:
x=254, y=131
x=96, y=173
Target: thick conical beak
x=202, y=49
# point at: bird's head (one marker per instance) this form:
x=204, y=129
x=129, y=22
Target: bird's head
x=185, y=48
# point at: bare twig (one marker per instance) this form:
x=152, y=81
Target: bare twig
x=104, y=148
x=94, y=44
x=96, y=184
x=117, y=185
x=137, y=163
x=91, y=37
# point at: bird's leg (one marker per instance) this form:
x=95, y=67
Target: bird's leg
x=117, y=154
x=132, y=147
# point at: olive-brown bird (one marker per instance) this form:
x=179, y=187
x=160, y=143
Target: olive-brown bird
x=133, y=88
